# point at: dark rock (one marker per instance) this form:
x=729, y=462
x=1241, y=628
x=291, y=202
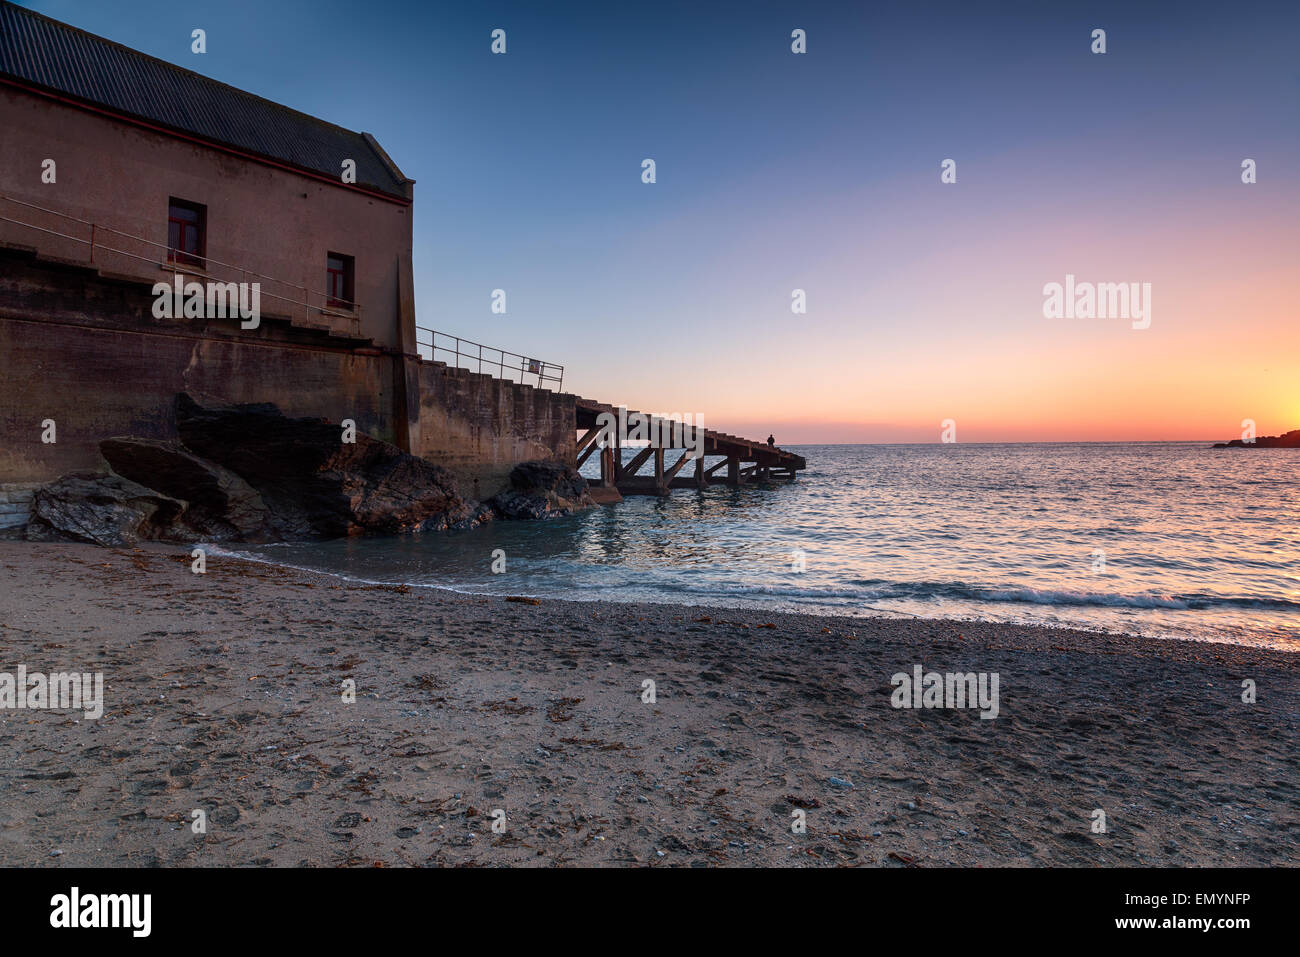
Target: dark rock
x=317, y=486
x=1288, y=440
x=101, y=509
x=221, y=506
x=542, y=490
x=511, y=504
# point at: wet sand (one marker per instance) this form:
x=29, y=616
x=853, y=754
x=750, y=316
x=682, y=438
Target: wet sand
x=224, y=693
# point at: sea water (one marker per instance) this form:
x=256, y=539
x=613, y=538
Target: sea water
x=1164, y=539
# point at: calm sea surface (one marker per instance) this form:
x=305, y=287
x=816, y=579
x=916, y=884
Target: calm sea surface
x=1167, y=539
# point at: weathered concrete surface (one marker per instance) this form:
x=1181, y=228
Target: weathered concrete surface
x=481, y=427
x=16, y=504
x=87, y=353
x=604, y=495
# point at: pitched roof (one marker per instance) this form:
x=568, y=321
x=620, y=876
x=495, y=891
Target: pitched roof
x=59, y=58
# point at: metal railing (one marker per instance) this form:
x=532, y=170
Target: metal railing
x=171, y=262
x=466, y=354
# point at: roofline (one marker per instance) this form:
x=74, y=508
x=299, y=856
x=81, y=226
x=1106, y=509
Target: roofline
x=388, y=161
x=91, y=107
x=173, y=66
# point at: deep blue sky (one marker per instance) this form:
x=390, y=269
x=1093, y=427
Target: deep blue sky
x=820, y=171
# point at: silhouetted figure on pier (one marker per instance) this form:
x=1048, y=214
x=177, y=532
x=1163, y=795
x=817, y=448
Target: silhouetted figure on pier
x=771, y=441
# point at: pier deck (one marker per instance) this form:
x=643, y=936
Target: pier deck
x=742, y=460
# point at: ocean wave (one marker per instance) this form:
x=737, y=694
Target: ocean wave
x=957, y=591
x=258, y=559
x=856, y=591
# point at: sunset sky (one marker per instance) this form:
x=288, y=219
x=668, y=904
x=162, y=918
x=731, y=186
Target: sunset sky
x=821, y=171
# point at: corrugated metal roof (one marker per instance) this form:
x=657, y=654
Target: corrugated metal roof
x=45, y=53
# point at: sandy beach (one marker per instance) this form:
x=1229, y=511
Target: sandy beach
x=223, y=692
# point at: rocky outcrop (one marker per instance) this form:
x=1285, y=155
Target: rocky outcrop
x=542, y=490
x=220, y=506
x=249, y=473
x=102, y=510
x=1288, y=440
x=315, y=484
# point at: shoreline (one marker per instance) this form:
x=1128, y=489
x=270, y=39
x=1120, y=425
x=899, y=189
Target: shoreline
x=222, y=694
x=1256, y=639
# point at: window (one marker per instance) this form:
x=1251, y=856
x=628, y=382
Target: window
x=186, y=232
x=338, y=280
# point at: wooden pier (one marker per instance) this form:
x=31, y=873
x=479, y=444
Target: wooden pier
x=743, y=460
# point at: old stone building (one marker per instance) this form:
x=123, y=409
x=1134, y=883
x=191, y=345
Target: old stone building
x=119, y=171
x=115, y=158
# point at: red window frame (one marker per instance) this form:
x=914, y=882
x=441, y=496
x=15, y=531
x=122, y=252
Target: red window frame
x=340, y=271
x=186, y=232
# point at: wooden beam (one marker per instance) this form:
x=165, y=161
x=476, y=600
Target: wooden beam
x=672, y=472
x=589, y=438
x=631, y=468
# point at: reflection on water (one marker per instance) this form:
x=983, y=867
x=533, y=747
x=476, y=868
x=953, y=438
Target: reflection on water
x=1160, y=538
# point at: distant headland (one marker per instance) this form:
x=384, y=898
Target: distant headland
x=1288, y=440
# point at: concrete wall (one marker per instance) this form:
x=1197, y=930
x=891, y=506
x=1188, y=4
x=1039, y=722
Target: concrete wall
x=268, y=220
x=481, y=427
x=15, y=505
x=88, y=353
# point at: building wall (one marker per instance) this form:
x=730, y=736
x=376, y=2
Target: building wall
x=481, y=427
x=88, y=353
x=81, y=346
x=264, y=219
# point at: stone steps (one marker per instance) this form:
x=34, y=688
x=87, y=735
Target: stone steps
x=15, y=504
